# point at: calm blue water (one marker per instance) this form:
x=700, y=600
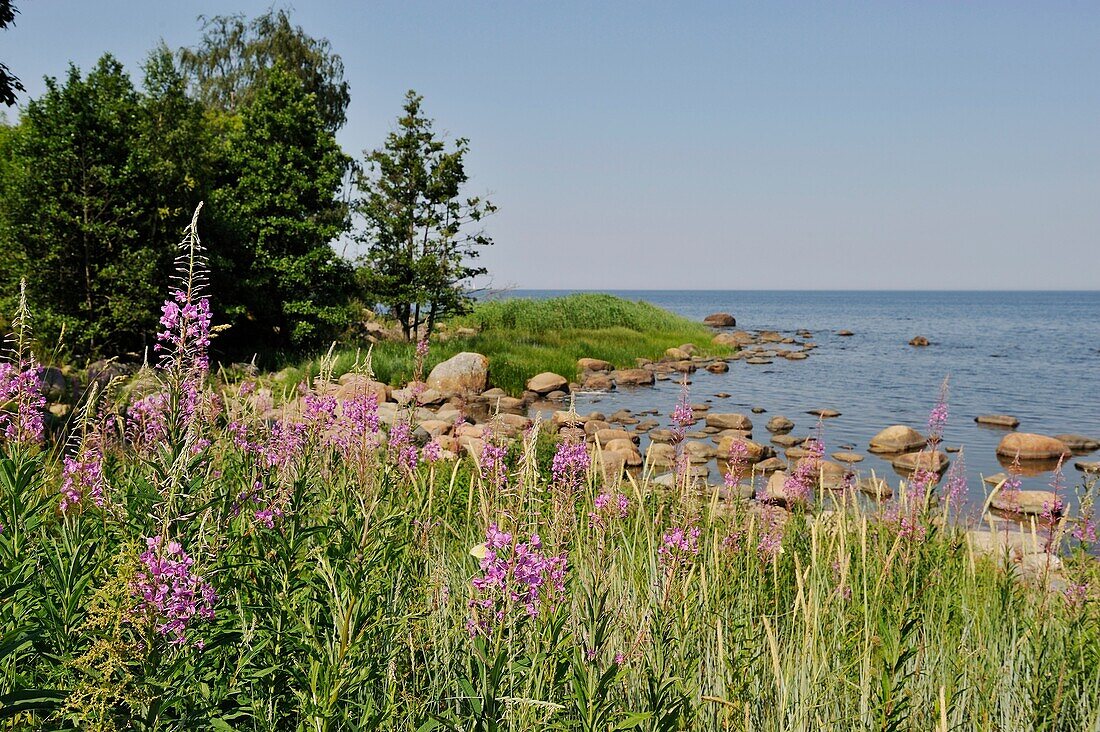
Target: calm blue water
x=1035, y=355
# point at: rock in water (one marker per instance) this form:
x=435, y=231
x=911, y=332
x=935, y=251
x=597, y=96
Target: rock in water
x=633, y=377
x=593, y=364
x=998, y=420
x=729, y=421
x=897, y=438
x=547, y=382
x=1029, y=503
x=779, y=423
x=1028, y=446
x=1079, y=443
x=919, y=341
x=935, y=461
x=720, y=320
x=463, y=373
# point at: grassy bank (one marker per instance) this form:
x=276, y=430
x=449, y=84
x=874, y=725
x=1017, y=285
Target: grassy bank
x=525, y=337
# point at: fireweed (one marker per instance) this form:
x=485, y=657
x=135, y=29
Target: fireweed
x=570, y=465
x=799, y=485
x=516, y=577
x=168, y=592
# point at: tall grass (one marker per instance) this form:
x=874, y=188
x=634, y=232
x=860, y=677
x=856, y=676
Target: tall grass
x=197, y=560
x=525, y=337
x=350, y=610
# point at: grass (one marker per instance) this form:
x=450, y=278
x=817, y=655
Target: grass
x=363, y=584
x=350, y=610
x=525, y=337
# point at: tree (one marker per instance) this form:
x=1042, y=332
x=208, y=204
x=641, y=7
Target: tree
x=273, y=270
x=9, y=84
x=417, y=227
x=99, y=181
x=230, y=65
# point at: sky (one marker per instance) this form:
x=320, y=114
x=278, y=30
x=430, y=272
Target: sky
x=697, y=145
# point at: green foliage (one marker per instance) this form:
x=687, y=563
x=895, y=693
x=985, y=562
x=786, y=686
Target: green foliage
x=229, y=67
x=420, y=232
x=9, y=83
x=275, y=275
x=99, y=179
x=525, y=337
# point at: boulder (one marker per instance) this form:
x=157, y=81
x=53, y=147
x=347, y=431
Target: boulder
x=661, y=455
x=720, y=320
x=718, y=367
x=847, y=457
x=598, y=381
x=729, y=421
x=604, y=436
x=897, y=438
x=829, y=475
x=844, y=333
x=624, y=449
x=875, y=487
x=785, y=440
x=779, y=423
x=824, y=413
x=735, y=339
x=1028, y=503
x=919, y=341
x=1087, y=467
x=1079, y=443
x=934, y=461
x=1028, y=446
x=754, y=451
x=998, y=420
x=546, y=383
x=632, y=377
x=770, y=465
x=677, y=354
x=354, y=385
x=461, y=374
x=593, y=364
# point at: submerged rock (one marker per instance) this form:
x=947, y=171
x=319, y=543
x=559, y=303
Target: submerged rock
x=919, y=341
x=1079, y=443
x=998, y=420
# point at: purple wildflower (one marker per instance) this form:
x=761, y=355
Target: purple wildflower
x=770, y=543
x=937, y=418
x=679, y=546
x=570, y=465
x=169, y=592
x=609, y=507
x=147, y=420
x=401, y=448
x=491, y=464
x=799, y=485
x=432, y=452
x=21, y=390
x=514, y=574
x=185, y=338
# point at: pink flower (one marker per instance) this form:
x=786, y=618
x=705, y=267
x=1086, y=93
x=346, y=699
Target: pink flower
x=21, y=390
x=514, y=575
x=679, y=546
x=169, y=592
x=608, y=508
x=570, y=465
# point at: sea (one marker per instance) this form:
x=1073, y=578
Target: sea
x=1034, y=355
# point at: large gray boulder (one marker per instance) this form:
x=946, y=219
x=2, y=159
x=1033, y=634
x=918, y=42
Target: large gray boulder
x=463, y=373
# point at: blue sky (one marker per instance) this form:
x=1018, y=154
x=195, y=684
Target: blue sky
x=915, y=145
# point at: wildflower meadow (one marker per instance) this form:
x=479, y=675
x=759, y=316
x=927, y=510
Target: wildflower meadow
x=200, y=553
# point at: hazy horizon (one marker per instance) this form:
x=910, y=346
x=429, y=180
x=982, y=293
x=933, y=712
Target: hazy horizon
x=877, y=147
